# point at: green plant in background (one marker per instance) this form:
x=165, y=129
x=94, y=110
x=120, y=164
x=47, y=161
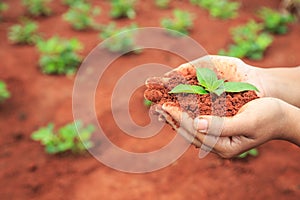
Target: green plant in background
x=249, y=41
x=147, y=102
x=24, y=33
x=3, y=7
x=122, y=8
x=274, y=21
x=182, y=22
x=119, y=39
x=59, y=56
x=4, y=93
x=222, y=9
x=81, y=15
x=163, y=4
x=251, y=152
x=72, y=2
x=65, y=138
x=208, y=82
x=37, y=7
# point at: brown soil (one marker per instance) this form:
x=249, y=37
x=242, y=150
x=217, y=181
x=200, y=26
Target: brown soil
x=27, y=172
x=194, y=104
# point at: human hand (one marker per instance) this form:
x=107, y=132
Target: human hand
x=257, y=122
x=227, y=68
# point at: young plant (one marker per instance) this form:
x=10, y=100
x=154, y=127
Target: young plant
x=73, y=2
x=4, y=93
x=147, y=102
x=182, y=22
x=3, y=7
x=59, y=56
x=119, y=39
x=66, y=138
x=251, y=152
x=122, y=8
x=222, y=9
x=208, y=82
x=81, y=16
x=24, y=33
x=274, y=21
x=249, y=41
x=163, y=4
x=37, y=7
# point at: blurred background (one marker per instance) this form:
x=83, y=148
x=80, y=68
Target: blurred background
x=43, y=42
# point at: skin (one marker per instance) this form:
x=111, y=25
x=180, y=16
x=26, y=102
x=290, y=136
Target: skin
x=274, y=116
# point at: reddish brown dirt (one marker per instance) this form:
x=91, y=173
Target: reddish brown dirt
x=27, y=172
x=158, y=92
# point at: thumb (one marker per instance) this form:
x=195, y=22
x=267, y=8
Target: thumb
x=221, y=126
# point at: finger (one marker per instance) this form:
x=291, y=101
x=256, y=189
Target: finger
x=191, y=139
x=179, y=130
x=182, y=118
x=222, y=126
x=184, y=69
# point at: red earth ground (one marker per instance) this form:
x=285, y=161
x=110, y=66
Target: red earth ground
x=27, y=172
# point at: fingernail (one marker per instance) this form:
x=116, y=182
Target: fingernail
x=201, y=125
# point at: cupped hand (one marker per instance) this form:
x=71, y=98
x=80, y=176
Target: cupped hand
x=227, y=68
x=257, y=122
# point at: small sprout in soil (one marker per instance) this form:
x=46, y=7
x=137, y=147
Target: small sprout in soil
x=59, y=56
x=24, y=33
x=222, y=9
x=163, y=4
x=119, y=40
x=208, y=82
x=249, y=41
x=72, y=2
x=4, y=93
x=37, y=7
x=81, y=16
x=252, y=152
x=122, y=8
x=65, y=138
x=147, y=102
x=274, y=21
x=3, y=7
x=182, y=22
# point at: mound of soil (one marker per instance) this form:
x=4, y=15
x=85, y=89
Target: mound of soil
x=194, y=104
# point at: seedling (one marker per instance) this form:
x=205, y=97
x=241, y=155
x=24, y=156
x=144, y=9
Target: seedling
x=249, y=41
x=4, y=93
x=252, y=152
x=274, y=21
x=222, y=9
x=59, y=56
x=147, y=102
x=24, y=33
x=208, y=82
x=81, y=15
x=119, y=39
x=182, y=22
x=122, y=8
x=163, y=4
x=37, y=7
x=66, y=138
x=3, y=7
x=73, y=2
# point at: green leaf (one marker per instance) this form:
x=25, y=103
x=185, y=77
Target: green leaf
x=239, y=87
x=206, y=77
x=253, y=152
x=191, y=89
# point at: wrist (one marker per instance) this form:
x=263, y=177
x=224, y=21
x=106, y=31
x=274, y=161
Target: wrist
x=269, y=82
x=290, y=131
